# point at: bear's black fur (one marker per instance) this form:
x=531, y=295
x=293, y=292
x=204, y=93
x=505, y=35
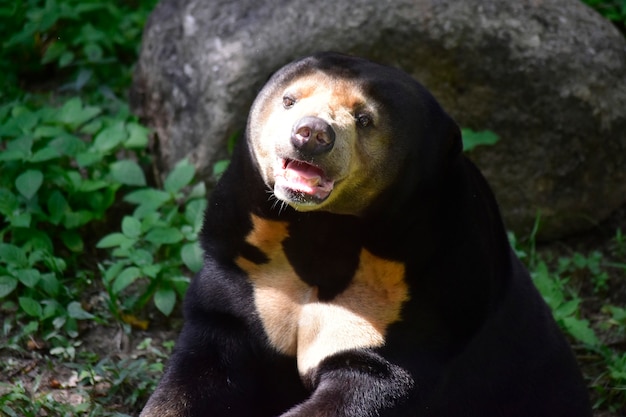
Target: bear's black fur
x=472, y=337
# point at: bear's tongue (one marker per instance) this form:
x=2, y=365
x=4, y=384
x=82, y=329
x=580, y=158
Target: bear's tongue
x=307, y=178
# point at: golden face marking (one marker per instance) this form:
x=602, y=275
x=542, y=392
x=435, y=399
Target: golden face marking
x=352, y=172
x=294, y=319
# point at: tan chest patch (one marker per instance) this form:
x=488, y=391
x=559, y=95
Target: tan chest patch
x=300, y=325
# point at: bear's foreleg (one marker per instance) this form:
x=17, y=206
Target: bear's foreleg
x=356, y=383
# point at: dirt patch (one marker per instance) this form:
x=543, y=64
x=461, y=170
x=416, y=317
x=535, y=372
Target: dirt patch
x=109, y=367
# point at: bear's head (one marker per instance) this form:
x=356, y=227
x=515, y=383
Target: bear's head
x=332, y=132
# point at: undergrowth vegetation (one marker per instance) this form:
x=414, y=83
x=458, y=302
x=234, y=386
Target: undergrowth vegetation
x=91, y=239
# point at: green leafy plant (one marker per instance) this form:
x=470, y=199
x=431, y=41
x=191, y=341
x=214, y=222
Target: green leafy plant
x=610, y=383
x=590, y=266
x=597, y=337
x=60, y=176
x=155, y=244
x=618, y=247
x=18, y=401
x=565, y=305
x=98, y=387
x=90, y=40
x=472, y=139
x=130, y=380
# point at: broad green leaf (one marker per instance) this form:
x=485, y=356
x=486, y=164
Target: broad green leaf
x=67, y=144
x=21, y=220
x=29, y=183
x=57, y=265
x=144, y=210
x=25, y=120
x=148, y=196
x=39, y=241
x=23, y=145
x=113, y=271
x=137, y=136
x=53, y=52
x=180, y=284
x=580, y=330
x=88, y=186
x=567, y=309
x=189, y=233
x=152, y=270
x=152, y=220
x=122, y=251
x=179, y=177
x=73, y=114
x=44, y=154
x=74, y=179
x=472, y=139
x=7, y=285
x=110, y=137
x=85, y=159
x=48, y=131
x=618, y=373
x=131, y=227
x=114, y=239
x=76, y=311
x=92, y=127
x=71, y=328
x=59, y=321
x=165, y=300
x=30, y=328
x=198, y=191
x=128, y=173
x=51, y=308
x=72, y=240
x=219, y=167
x=29, y=277
x=141, y=258
x=192, y=257
x=12, y=255
x=57, y=207
x=66, y=59
x=547, y=286
x=48, y=115
x=618, y=313
x=50, y=284
x=76, y=219
x=8, y=202
x=194, y=213
x=30, y=307
x=166, y=235
x=12, y=155
x=125, y=278
x=100, y=201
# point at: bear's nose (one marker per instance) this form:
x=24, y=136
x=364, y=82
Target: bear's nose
x=312, y=136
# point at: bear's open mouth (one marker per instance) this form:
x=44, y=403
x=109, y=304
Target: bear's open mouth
x=305, y=179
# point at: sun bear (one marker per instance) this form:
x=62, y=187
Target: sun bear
x=356, y=265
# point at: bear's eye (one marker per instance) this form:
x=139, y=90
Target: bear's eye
x=363, y=120
x=288, y=102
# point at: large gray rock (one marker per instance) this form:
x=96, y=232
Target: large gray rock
x=549, y=77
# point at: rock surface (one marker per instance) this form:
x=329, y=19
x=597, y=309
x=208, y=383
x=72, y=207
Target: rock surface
x=549, y=77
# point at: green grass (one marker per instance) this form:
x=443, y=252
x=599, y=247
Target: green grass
x=90, y=239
